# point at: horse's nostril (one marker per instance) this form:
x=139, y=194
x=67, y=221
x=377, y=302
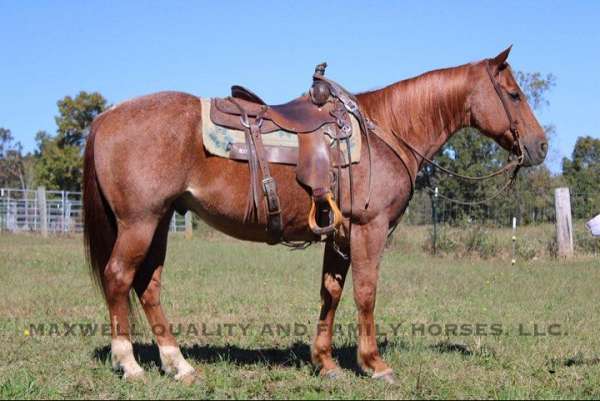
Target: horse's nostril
x=544, y=147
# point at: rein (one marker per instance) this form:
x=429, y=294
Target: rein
x=516, y=164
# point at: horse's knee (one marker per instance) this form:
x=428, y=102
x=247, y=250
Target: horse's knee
x=365, y=298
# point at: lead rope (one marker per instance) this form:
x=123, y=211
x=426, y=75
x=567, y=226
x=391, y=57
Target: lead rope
x=514, y=163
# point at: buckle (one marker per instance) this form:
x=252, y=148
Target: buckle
x=269, y=184
x=270, y=189
x=244, y=120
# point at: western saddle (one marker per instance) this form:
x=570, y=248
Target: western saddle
x=318, y=118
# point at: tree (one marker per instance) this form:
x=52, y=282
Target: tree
x=12, y=161
x=58, y=166
x=536, y=86
x=59, y=161
x=581, y=172
x=76, y=115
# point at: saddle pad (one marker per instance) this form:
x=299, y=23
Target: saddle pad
x=219, y=141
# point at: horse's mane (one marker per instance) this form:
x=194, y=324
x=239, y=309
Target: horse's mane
x=426, y=106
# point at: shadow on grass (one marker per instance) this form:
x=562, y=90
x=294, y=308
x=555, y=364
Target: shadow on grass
x=575, y=361
x=295, y=356
x=447, y=347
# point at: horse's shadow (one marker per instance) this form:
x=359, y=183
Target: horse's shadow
x=294, y=356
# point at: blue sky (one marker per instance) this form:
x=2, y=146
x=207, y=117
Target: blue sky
x=124, y=49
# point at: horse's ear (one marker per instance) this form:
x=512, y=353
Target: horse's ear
x=500, y=60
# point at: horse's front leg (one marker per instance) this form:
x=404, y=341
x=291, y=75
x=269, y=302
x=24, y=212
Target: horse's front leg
x=335, y=268
x=367, y=244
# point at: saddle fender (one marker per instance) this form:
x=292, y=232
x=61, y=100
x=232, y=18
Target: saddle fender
x=314, y=163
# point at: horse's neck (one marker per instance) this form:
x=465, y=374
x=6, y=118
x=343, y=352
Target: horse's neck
x=425, y=111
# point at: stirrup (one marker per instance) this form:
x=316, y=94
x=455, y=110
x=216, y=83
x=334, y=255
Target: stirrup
x=337, y=217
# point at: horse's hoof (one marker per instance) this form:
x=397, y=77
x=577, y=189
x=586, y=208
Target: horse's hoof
x=135, y=377
x=332, y=374
x=190, y=379
x=387, y=376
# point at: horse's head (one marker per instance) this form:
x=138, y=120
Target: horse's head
x=499, y=109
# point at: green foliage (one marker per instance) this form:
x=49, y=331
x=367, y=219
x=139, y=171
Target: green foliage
x=535, y=86
x=76, y=115
x=585, y=243
x=479, y=241
x=20, y=385
x=581, y=172
x=470, y=241
x=59, y=158
x=58, y=166
x=445, y=244
x=525, y=250
x=15, y=167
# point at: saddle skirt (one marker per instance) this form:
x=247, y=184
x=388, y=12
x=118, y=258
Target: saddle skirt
x=281, y=147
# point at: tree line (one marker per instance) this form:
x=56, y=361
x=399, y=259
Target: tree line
x=57, y=162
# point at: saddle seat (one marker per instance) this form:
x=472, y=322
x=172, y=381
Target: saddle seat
x=299, y=116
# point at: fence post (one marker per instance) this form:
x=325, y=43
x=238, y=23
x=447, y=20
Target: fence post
x=434, y=217
x=188, y=225
x=514, y=241
x=564, y=223
x=42, y=211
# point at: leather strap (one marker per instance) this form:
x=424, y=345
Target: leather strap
x=513, y=127
x=351, y=104
x=283, y=154
x=274, y=222
x=258, y=161
x=273, y=154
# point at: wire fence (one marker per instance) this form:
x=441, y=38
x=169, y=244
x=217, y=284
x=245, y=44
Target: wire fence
x=425, y=208
x=20, y=211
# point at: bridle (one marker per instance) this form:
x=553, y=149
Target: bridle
x=517, y=150
x=513, y=123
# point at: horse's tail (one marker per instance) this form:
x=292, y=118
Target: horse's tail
x=100, y=230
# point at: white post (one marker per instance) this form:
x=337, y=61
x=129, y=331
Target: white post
x=42, y=211
x=188, y=225
x=564, y=222
x=514, y=241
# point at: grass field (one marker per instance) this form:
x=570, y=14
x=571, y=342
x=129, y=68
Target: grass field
x=212, y=281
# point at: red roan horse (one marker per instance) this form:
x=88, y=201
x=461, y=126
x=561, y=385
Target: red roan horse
x=145, y=158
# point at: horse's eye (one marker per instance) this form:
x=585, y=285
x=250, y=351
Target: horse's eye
x=515, y=96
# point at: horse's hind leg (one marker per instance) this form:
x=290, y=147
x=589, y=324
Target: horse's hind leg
x=147, y=285
x=133, y=241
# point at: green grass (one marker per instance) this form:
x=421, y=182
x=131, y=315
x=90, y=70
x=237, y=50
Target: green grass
x=214, y=280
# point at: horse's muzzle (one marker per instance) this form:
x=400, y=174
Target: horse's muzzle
x=535, y=153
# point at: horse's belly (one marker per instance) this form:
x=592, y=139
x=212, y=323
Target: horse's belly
x=223, y=203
